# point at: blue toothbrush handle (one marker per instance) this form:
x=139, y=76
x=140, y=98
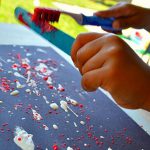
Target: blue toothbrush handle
x=105, y=23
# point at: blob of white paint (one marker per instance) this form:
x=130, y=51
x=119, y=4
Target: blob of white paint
x=28, y=90
x=54, y=106
x=102, y=137
x=64, y=105
x=1, y=102
x=55, y=126
x=23, y=139
x=109, y=148
x=82, y=122
x=14, y=93
x=69, y=148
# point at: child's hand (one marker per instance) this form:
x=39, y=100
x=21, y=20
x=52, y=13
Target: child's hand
x=106, y=61
x=128, y=15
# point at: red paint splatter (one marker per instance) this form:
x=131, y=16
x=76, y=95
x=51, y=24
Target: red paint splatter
x=5, y=124
x=25, y=66
x=55, y=147
x=15, y=66
x=19, y=139
x=45, y=78
x=50, y=87
x=5, y=84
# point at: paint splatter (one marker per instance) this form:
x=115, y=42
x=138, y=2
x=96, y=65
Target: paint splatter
x=54, y=106
x=55, y=126
x=23, y=139
x=36, y=116
x=14, y=93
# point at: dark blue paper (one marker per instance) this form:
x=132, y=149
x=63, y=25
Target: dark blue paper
x=106, y=119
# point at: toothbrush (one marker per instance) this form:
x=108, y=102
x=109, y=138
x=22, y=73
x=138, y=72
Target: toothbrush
x=52, y=15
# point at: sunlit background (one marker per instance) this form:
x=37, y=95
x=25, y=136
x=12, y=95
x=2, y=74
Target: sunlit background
x=66, y=23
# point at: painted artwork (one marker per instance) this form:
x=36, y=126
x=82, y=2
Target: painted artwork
x=43, y=107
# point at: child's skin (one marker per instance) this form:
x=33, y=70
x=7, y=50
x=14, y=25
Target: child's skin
x=106, y=61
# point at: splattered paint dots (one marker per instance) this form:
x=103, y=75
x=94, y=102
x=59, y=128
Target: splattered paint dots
x=50, y=87
x=19, y=139
x=60, y=88
x=55, y=147
x=45, y=78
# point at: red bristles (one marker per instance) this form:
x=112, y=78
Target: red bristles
x=45, y=14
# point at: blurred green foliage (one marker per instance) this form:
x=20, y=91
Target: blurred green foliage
x=66, y=23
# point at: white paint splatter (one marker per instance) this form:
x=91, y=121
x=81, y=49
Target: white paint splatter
x=32, y=83
x=36, y=115
x=41, y=50
x=75, y=124
x=49, y=80
x=54, y=106
x=45, y=127
x=65, y=107
x=28, y=91
x=82, y=122
x=45, y=98
x=28, y=54
x=10, y=72
x=102, y=137
x=17, y=74
x=23, y=139
x=55, y=126
x=3, y=60
x=109, y=148
x=29, y=76
x=69, y=148
x=14, y=93
x=73, y=102
x=19, y=85
x=1, y=102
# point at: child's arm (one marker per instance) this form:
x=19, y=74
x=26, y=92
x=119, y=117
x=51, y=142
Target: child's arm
x=106, y=61
x=128, y=15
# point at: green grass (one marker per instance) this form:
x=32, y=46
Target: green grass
x=66, y=23
x=84, y=3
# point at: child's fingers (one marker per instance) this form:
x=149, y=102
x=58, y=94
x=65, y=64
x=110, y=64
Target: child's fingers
x=123, y=23
x=80, y=41
x=120, y=10
x=89, y=50
x=94, y=62
x=93, y=79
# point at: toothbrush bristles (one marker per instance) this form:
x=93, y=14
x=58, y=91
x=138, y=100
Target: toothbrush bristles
x=45, y=14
